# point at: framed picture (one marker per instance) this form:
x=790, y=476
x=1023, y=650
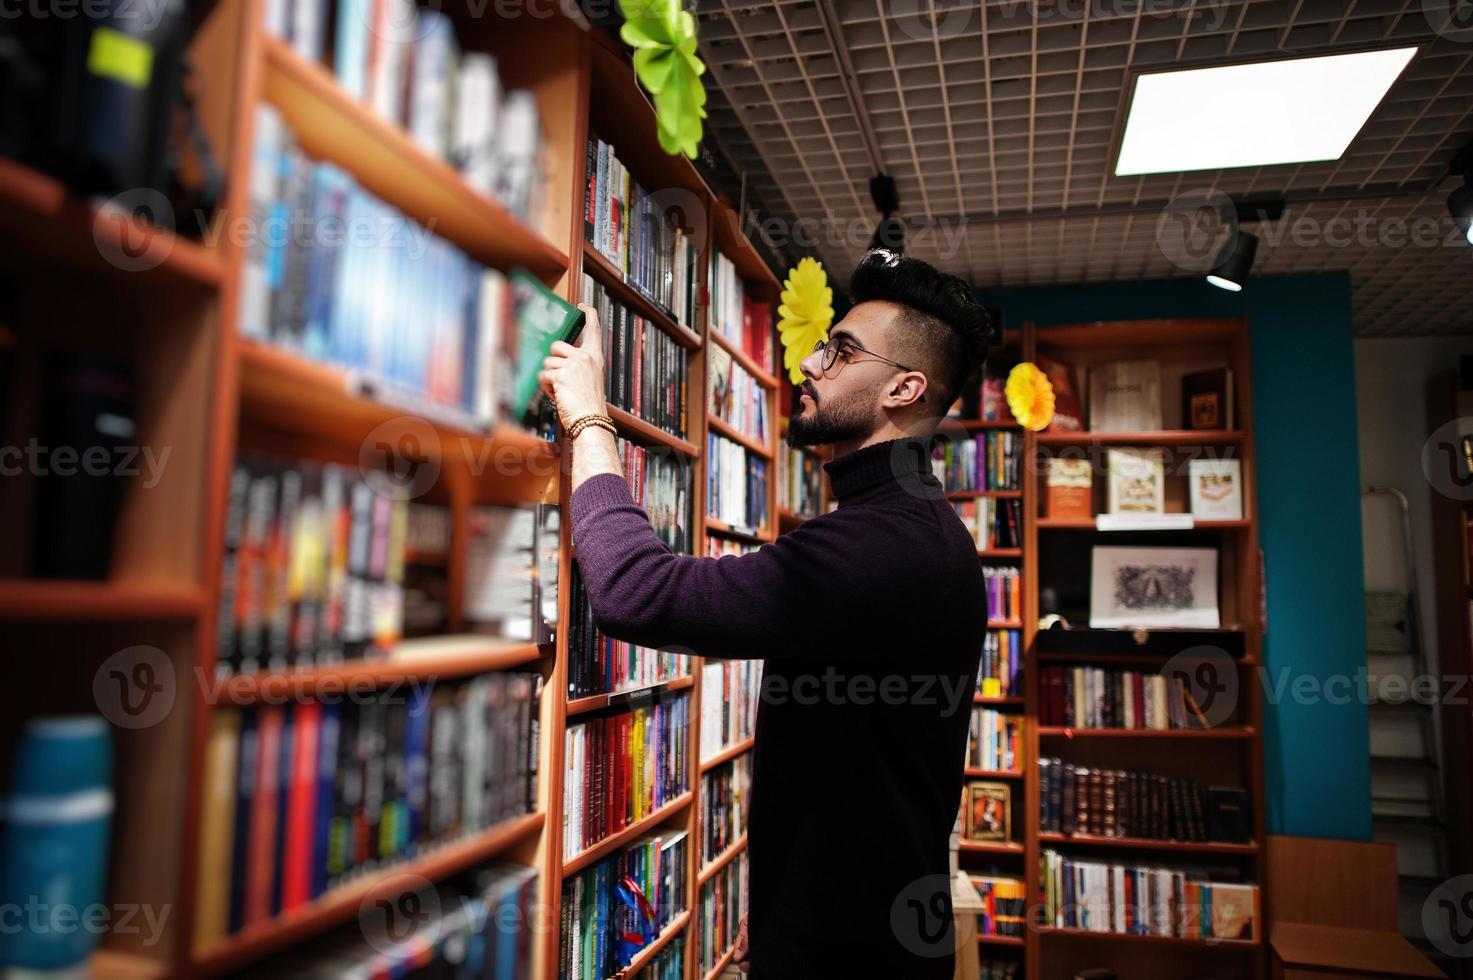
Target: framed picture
x=989, y=812
x=1153, y=587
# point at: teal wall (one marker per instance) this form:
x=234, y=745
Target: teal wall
x=1316, y=767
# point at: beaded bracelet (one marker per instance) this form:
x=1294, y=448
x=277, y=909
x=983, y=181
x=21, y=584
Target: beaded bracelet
x=576, y=427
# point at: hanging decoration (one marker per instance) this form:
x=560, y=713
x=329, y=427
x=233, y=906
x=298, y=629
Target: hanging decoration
x=664, y=40
x=1030, y=396
x=806, y=312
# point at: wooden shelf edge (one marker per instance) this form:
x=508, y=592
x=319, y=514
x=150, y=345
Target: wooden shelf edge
x=713, y=526
x=39, y=599
x=341, y=904
x=728, y=753
x=626, y=294
x=1164, y=940
x=597, y=702
x=1064, y=731
x=721, y=861
x=987, y=940
x=988, y=847
x=1161, y=437
x=648, y=953
x=639, y=430
x=1004, y=624
x=973, y=773
x=610, y=844
x=764, y=378
x=721, y=964
x=988, y=494
x=1147, y=844
x=414, y=661
x=731, y=432
x=999, y=552
x=1073, y=524
x=1008, y=699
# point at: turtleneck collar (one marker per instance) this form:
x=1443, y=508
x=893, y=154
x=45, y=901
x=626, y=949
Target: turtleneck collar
x=902, y=463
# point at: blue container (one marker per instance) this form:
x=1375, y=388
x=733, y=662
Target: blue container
x=54, y=828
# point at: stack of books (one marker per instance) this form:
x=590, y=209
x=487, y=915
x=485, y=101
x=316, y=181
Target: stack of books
x=1004, y=906
x=995, y=741
x=1096, y=697
x=660, y=482
x=621, y=768
x=799, y=482
x=511, y=572
x=723, y=903
x=722, y=547
x=744, y=322
x=724, y=802
x=1000, y=672
x=734, y=396
x=1076, y=799
x=1004, y=592
x=736, y=484
x=987, y=461
x=1097, y=896
x=993, y=523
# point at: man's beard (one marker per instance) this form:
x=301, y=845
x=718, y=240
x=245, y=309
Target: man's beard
x=847, y=420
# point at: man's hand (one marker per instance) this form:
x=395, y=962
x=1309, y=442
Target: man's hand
x=741, y=955
x=574, y=376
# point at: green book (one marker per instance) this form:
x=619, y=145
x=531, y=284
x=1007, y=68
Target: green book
x=543, y=318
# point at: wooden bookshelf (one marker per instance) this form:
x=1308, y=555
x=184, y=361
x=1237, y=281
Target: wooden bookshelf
x=722, y=860
x=29, y=599
x=645, y=956
x=727, y=754
x=598, y=702
x=1147, y=844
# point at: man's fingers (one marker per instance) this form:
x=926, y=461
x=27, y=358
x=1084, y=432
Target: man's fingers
x=561, y=349
x=590, y=336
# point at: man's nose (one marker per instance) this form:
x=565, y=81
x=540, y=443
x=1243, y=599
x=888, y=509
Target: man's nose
x=812, y=365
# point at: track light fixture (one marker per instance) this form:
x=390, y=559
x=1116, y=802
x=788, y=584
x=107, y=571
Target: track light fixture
x=1460, y=201
x=891, y=231
x=1232, y=266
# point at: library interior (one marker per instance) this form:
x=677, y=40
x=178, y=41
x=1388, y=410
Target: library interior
x=628, y=609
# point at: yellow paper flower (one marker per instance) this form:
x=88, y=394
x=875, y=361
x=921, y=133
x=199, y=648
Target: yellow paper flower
x=806, y=312
x=1030, y=396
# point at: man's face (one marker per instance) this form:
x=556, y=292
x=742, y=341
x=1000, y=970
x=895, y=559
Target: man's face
x=844, y=404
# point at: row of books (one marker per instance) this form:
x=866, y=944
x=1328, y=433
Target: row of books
x=335, y=274
x=743, y=321
x=723, y=903
x=313, y=567
x=1004, y=593
x=1099, y=697
x=995, y=741
x=725, y=797
x=639, y=234
x=600, y=664
x=799, y=481
x=456, y=932
x=621, y=768
x=723, y=547
x=734, y=396
x=645, y=370
x=511, y=571
x=992, y=523
x=1127, y=396
x=730, y=690
x=427, y=535
x=405, y=63
x=669, y=962
x=660, y=482
x=302, y=797
x=987, y=461
x=1004, y=902
x=736, y=484
x=614, y=908
x=999, y=675
x=1097, y=896
x=1137, y=485
x=1076, y=799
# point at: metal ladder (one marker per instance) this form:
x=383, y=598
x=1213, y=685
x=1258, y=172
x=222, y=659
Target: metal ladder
x=1406, y=787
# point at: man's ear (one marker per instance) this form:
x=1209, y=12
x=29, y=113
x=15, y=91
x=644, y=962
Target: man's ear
x=908, y=388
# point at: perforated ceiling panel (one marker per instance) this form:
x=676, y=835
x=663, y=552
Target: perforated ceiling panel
x=999, y=123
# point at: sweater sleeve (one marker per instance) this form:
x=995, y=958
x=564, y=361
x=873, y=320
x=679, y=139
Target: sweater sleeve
x=754, y=606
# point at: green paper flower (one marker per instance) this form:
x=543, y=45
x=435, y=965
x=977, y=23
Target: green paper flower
x=664, y=40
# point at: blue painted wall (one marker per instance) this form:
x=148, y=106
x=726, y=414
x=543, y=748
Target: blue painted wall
x=1316, y=768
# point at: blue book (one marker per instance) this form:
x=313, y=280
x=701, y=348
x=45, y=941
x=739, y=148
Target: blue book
x=245, y=793
x=329, y=735
x=283, y=794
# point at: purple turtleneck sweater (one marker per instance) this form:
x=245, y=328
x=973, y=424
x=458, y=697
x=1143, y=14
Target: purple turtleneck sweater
x=871, y=621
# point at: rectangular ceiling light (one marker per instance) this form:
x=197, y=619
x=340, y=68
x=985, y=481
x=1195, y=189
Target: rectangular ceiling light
x=1256, y=115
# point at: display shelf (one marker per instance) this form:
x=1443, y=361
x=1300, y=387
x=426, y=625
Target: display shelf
x=725, y=428
x=721, y=964
x=974, y=773
x=637, y=429
x=597, y=702
x=713, y=526
x=1146, y=844
x=989, y=847
x=592, y=855
x=1061, y=731
x=647, y=955
x=1125, y=937
x=42, y=599
x=764, y=378
x=341, y=904
x=721, y=861
x=1076, y=524
x=1163, y=437
x=605, y=273
x=727, y=754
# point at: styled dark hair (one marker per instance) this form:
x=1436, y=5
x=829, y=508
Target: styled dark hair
x=945, y=331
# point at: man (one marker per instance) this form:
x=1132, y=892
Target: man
x=870, y=620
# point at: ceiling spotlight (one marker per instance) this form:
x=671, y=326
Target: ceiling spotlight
x=1231, y=270
x=1460, y=204
x=886, y=197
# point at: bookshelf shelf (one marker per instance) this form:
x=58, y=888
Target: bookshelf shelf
x=641, y=431
x=413, y=661
x=76, y=233
x=788, y=519
x=1004, y=624
x=106, y=964
x=986, y=940
x=592, y=855
x=620, y=290
x=973, y=773
x=1069, y=524
x=597, y=702
x=331, y=125
x=1101, y=657
x=721, y=964
x=979, y=425
x=1163, y=641
x=989, y=847
x=725, y=428
x=1126, y=937
x=764, y=378
x=1146, y=844
x=727, y=754
x=722, y=860
x=340, y=905
x=998, y=700
x=713, y=526
x=1000, y=552
x=646, y=955
x=1054, y=731
x=1166, y=437
x=39, y=599
x=981, y=494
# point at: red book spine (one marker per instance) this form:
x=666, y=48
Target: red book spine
x=262, y=855
x=297, y=861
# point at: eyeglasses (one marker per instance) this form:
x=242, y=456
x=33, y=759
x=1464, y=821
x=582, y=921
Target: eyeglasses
x=846, y=348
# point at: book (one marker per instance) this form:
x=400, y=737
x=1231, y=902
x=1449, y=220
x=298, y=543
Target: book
x=1227, y=814
x=511, y=571
x=217, y=828
x=989, y=812
x=994, y=740
x=1004, y=905
x=1137, y=481
x=1125, y=396
x=1216, y=489
x=1068, y=402
x=1070, y=489
x=1207, y=399
x=604, y=924
x=542, y=318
